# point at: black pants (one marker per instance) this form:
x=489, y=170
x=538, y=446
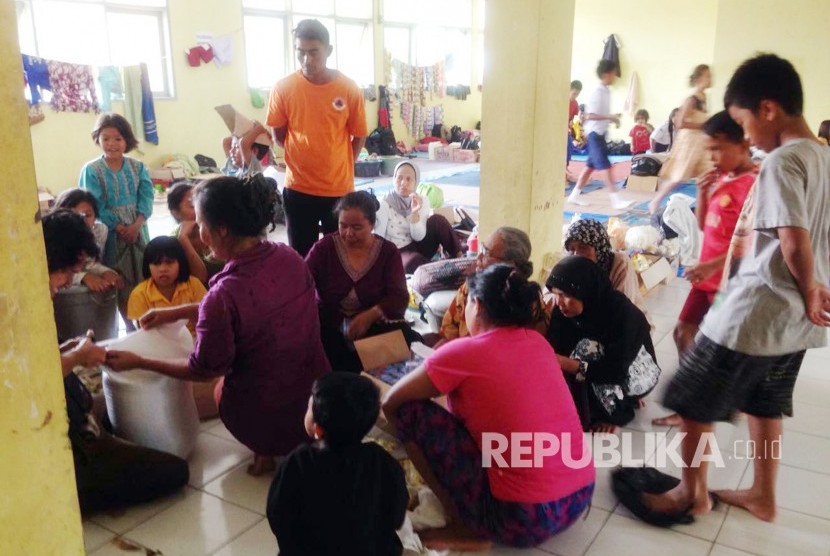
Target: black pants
x=114, y=473
x=305, y=216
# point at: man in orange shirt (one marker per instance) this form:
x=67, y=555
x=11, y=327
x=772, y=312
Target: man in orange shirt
x=318, y=118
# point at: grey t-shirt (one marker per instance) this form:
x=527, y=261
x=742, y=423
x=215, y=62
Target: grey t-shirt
x=761, y=311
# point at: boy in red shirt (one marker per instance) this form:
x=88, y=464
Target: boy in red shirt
x=641, y=132
x=720, y=196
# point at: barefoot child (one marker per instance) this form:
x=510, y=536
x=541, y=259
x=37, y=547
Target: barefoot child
x=124, y=193
x=167, y=280
x=775, y=304
x=641, y=132
x=339, y=495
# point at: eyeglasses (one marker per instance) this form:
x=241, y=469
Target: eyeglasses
x=486, y=253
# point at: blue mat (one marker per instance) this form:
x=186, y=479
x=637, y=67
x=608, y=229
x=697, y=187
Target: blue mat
x=469, y=179
x=362, y=181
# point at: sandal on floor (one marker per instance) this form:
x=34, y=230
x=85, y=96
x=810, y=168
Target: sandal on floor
x=630, y=484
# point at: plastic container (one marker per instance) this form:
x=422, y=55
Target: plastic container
x=472, y=243
x=77, y=309
x=367, y=168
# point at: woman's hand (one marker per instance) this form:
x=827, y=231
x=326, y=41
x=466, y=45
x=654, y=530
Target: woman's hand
x=113, y=279
x=87, y=354
x=417, y=204
x=157, y=317
x=95, y=283
x=362, y=322
x=123, y=360
x=570, y=366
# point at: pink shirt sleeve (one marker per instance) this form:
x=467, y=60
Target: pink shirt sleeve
x=215, y=351
x=447, y=367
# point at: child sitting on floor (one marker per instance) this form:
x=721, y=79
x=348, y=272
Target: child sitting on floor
x=167, y=280
x=203, y=265
x=641, y=132
x=339, y=495
x=720, y=196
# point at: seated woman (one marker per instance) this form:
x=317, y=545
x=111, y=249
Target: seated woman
x=603, y=344
x=518, y=505
x=588, y=238
x=257, y=326
x=360, y=281
x=109, y=472
x=505, y=245
x=403, y=218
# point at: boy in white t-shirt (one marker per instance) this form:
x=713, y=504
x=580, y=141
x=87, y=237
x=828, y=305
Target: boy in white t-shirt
x=596, y=118
x=776, y=301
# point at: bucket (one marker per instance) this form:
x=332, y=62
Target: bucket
x=78, y=309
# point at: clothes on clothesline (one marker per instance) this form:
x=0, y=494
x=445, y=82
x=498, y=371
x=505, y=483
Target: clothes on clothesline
x=458, y=91
x=36, y=75
x=138, y=102
x=612, y=51
x=109, y=79
x=73, y=87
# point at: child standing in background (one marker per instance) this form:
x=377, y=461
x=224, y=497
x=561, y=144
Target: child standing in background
x=573, y=112
x=124, y=194
x=640, y=133
x=662, y=138
x=167, y=280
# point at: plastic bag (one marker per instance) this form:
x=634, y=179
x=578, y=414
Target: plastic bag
x=432, y=192
x=148, y=408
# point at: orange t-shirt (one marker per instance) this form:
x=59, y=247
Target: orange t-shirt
x=321, y=121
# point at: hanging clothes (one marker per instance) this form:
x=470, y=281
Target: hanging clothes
x=73, y=87
x=612, y=51
x=148, y=109
x=222, y=50
x=632, y=101
x=132, y=98
x=109, y=78
x=36, y=74
x=383, y=107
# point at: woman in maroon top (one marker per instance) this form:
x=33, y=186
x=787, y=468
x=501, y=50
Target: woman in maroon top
x=361, y=285
x=257, y=326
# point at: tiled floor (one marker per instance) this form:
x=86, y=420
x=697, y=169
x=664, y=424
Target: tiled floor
x=222, y=511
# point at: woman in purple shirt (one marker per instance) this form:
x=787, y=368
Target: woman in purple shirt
x=361, y=285
x=257, y=326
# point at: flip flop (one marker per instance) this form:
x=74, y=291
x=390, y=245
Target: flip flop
x=630, y=484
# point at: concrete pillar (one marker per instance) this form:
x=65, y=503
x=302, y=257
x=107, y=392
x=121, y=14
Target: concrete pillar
x=527, y=53
x=39, y=508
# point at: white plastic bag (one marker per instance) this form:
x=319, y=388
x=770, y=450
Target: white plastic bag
x=148, y=408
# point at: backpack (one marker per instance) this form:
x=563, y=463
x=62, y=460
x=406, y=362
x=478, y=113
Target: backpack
x=382, y=141
x=644, y=165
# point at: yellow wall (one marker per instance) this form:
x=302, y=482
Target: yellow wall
x=39, y=510
x=662, y=40
x=796, y=30
x=188, y=123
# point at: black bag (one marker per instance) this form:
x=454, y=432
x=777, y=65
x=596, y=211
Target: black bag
x=455, y=134
x=382, y=141
x=644, y=165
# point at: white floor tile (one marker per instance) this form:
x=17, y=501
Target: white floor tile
x=643, y=416
x=95, y=536
x=196, y=526
x=792, y=534
x=604, y=498
x=720, y=550
x=122, y=546
x=806, y=451
x=500, y=551
x=800, y=491
x=240, y=488
x=812, y=391
x=214, y=456
x=622, y=536
x=256, y=541
x=815, y=367
x=575, y=540
x=809, y=419
x=130, y=518
x=219, y=429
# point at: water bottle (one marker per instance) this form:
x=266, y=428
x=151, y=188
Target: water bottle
x=472, y=243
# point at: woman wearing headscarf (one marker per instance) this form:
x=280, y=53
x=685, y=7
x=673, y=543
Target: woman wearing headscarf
x=603, y=344
x=403, y=218
x=588, y=238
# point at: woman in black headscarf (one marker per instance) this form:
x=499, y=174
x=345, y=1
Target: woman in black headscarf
x=611, y=363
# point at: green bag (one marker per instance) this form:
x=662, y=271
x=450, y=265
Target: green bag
x=431, y=192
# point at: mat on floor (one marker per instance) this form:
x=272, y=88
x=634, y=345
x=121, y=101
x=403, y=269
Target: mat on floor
x=469, y=179
x=613, y=158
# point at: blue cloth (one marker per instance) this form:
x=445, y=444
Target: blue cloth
x=148, y=111
x=109, y=77
x=36, y=73
x=597, y=152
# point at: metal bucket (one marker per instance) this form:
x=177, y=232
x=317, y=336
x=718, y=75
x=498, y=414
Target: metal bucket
x=77, y=309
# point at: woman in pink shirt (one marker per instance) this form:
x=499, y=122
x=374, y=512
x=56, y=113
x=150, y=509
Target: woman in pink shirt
x=508, y=460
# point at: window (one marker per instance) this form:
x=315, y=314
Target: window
x=269, y=44
x=412, y=37
x=102, y=32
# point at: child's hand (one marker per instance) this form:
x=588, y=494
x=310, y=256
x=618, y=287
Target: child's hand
x=95, y=283
x=131, y=233
x=113, y=279
x=708, y=179
x=700, y=272
x=817, y=302
x=186, y=227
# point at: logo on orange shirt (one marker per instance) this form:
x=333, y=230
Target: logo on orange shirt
x=339, y=104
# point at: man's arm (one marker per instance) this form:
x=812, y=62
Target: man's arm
x=279, y=133
x=357, y=145
x=798, y=254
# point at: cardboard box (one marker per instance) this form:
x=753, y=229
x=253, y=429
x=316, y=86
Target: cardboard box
x=658, y=270
x=464, y=155
x=166, y=174
x=642, y=183
x=444, y=153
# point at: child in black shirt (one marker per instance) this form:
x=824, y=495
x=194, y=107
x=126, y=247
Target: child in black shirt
x=339, y=495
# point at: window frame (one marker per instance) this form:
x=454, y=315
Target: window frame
x=122, y=7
